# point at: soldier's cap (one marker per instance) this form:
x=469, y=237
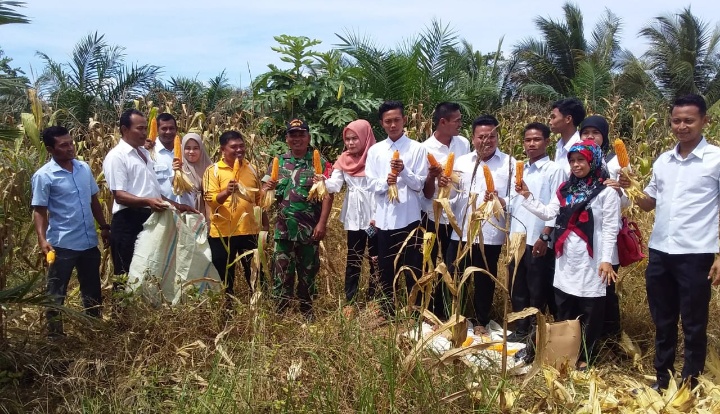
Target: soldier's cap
x=297, y=125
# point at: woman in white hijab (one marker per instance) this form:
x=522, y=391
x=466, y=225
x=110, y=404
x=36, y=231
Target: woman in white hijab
x=194, y=163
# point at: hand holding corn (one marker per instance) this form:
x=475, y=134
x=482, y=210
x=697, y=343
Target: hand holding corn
x=396, y=166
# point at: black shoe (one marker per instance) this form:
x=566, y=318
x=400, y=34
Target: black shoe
x=659, y=386
x=693, y=382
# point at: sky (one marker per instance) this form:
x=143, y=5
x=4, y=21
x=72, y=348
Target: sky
x=200, y=39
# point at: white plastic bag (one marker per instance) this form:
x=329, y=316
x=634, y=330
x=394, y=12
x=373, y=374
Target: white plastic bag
x=172, y=254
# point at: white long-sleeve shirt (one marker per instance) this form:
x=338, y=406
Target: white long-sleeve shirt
x=460, y=146
x=561, y=152
x=502, y=167
x=358, y=206
x=411, y=180
x=687, y=193
x=576, y=273
x=543, y=178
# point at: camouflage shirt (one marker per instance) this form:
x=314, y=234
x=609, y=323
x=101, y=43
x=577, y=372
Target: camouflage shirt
x=297, y=217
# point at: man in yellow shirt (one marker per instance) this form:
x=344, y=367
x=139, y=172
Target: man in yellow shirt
x=233, y=229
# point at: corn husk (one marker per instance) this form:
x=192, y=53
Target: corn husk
x=318, y=191
x=268, y=199
x=181, y=183
x=515, y=251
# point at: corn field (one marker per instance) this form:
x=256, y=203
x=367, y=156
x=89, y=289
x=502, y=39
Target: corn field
x=195, y=358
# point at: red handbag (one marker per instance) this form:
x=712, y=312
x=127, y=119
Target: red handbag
x=629, y=243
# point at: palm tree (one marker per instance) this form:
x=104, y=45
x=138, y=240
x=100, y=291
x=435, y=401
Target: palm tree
x=431, y=67
x=12, y=83
x=684, y=56
x=8, y=16
x=564, y=62
x=95, y=82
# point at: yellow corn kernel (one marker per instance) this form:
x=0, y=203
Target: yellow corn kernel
x=621, y=153
x=316, y=162
x=177, y=147
x=275, y=171
x=519, y=166
x=468, y=341
x=236, y=169
x=153, y=130
x=449, y=164
x=50, y=257
x=433, y=162
x=488, y=178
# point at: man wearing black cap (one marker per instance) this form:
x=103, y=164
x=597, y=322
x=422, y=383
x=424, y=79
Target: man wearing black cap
x=301, y=223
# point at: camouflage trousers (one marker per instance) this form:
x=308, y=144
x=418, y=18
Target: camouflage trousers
x=291, y=258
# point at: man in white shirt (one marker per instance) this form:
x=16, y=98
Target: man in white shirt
x=396, y=219
x=447, y=121
x=684, y=191
x=164, y=154
x=566, y=116
x=131, y=178
x=533, y=284
x=470, y=166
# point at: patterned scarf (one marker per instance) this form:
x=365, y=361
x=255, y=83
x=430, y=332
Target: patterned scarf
x=575, y=194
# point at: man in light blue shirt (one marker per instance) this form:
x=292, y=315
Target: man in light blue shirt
x=65, y=208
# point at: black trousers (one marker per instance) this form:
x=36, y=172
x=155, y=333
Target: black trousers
x=389, y=244
x=677, y=286
x=484, y=285
x=440, y=301
x=533, y=286
x=224, y=255
x=591, y=312
x=87, y=263
x=124, y=229
x=611, y=327
x=357, y=240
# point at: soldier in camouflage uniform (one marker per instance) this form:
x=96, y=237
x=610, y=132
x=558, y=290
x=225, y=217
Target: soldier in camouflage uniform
x=300, y=225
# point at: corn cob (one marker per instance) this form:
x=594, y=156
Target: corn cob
x=396, y=156
x=177, y=150
x=392, y=189
x=275, y=169
x=449, y=164
x=519, y=167
x=181, y=182
x=634, y=191
x=318, y=191
x=621, y=153
x=488, y=178
x=153, y=130
x=433, y=162
x=269, y=197
x=50, y=257
x=317, y=165
x=236, y=169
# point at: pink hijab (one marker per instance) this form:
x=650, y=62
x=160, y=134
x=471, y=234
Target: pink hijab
x=355, y=164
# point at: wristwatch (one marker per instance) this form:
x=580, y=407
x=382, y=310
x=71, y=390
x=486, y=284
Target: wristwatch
x=545, y=237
